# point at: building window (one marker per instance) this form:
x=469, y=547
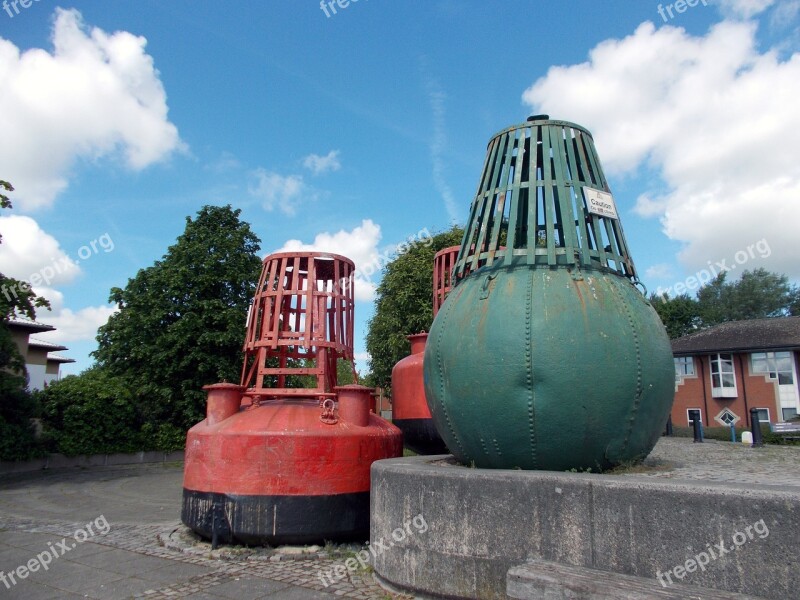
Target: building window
x=694, y=414
x=789, y=413
x=723, y=379
x=726, y=417
x=684, y=365
x=763, y=415
x=777, y=364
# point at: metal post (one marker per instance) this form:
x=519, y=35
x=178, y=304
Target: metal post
x=733, y=432
x=755, y=428
x=698, y=431
x=669, y=430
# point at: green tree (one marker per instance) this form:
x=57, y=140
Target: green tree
x=680, y=315
x=757, y=294
x=181, y=322
x=404, y=304
x=17, y=407
x=91, y=413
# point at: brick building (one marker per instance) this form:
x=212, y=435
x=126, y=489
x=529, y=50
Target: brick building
x=724, y=371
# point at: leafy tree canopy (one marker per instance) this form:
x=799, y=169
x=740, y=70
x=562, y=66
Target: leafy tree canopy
x=757, y=294
x=181, y=322
x=16, y=405
x=680, y=315
x=404, y=304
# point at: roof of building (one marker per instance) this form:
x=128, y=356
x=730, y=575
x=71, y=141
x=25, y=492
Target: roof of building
x=755, y=334
x=32, y=326
x=59, y=359
x=34, y=343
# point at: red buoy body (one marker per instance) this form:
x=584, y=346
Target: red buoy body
x=275, y=462
x=409, y=407
x=280, y=474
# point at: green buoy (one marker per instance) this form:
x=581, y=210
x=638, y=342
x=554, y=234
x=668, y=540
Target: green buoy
x=546, y=354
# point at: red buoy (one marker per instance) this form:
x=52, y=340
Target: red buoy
x=409, y=407
x=284, y=458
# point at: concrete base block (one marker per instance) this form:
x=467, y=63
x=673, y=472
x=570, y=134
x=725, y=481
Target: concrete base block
x=543, y=580
x=480, y=523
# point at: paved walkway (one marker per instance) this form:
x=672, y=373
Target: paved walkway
x=100, y=533
x=52, y=513
x=724, y=462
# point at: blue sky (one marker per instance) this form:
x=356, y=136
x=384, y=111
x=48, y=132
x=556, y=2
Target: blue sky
x=355, y=131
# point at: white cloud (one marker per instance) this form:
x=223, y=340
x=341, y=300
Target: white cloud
x=30, y=254
x=659, y=271
x=319, y=165
x=439, y=149
x=95, y=94
x=71, y=326
x=362, y=360
x=359, y=245
x=278, y=191
x=713, y=115
x=744, y=8
x=225, y=163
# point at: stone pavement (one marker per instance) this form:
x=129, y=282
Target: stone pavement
x=723, y=462
x=42, y=514
x=51, y=512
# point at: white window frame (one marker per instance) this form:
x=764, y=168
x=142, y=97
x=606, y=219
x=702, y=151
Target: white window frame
x=681, y=362
x=723, y=391
x=736, y=418
x=689, y=420
x=760, y=420
x=769, y=360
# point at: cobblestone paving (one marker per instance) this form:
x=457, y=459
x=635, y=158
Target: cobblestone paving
x=147, y=540
x=32, y=506
x=724, y=462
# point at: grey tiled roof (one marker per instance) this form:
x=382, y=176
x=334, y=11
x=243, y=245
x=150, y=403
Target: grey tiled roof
x=755, y=334
x=36, y=343
x=34, y=326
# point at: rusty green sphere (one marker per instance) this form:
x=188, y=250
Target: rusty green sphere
x=548, y=368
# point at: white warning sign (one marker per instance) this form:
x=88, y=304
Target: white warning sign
x=600, y=203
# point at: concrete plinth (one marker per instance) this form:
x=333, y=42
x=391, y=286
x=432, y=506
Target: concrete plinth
x=481, y=523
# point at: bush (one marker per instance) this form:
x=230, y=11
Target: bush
x=91, y=413
x=164, y=437
x=17, y=435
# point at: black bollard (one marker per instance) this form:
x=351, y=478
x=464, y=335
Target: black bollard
x=698, y=431
x=669, y=431
x=755, y=428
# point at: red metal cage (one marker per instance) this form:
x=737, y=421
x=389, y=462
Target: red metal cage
x=443, y=264
x=299, y=325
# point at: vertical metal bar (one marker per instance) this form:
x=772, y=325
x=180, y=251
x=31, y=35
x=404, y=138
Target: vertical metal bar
x=566, y=216
x=533, y=192
x=583, y=236
x=548, y=196
x=511, y=232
